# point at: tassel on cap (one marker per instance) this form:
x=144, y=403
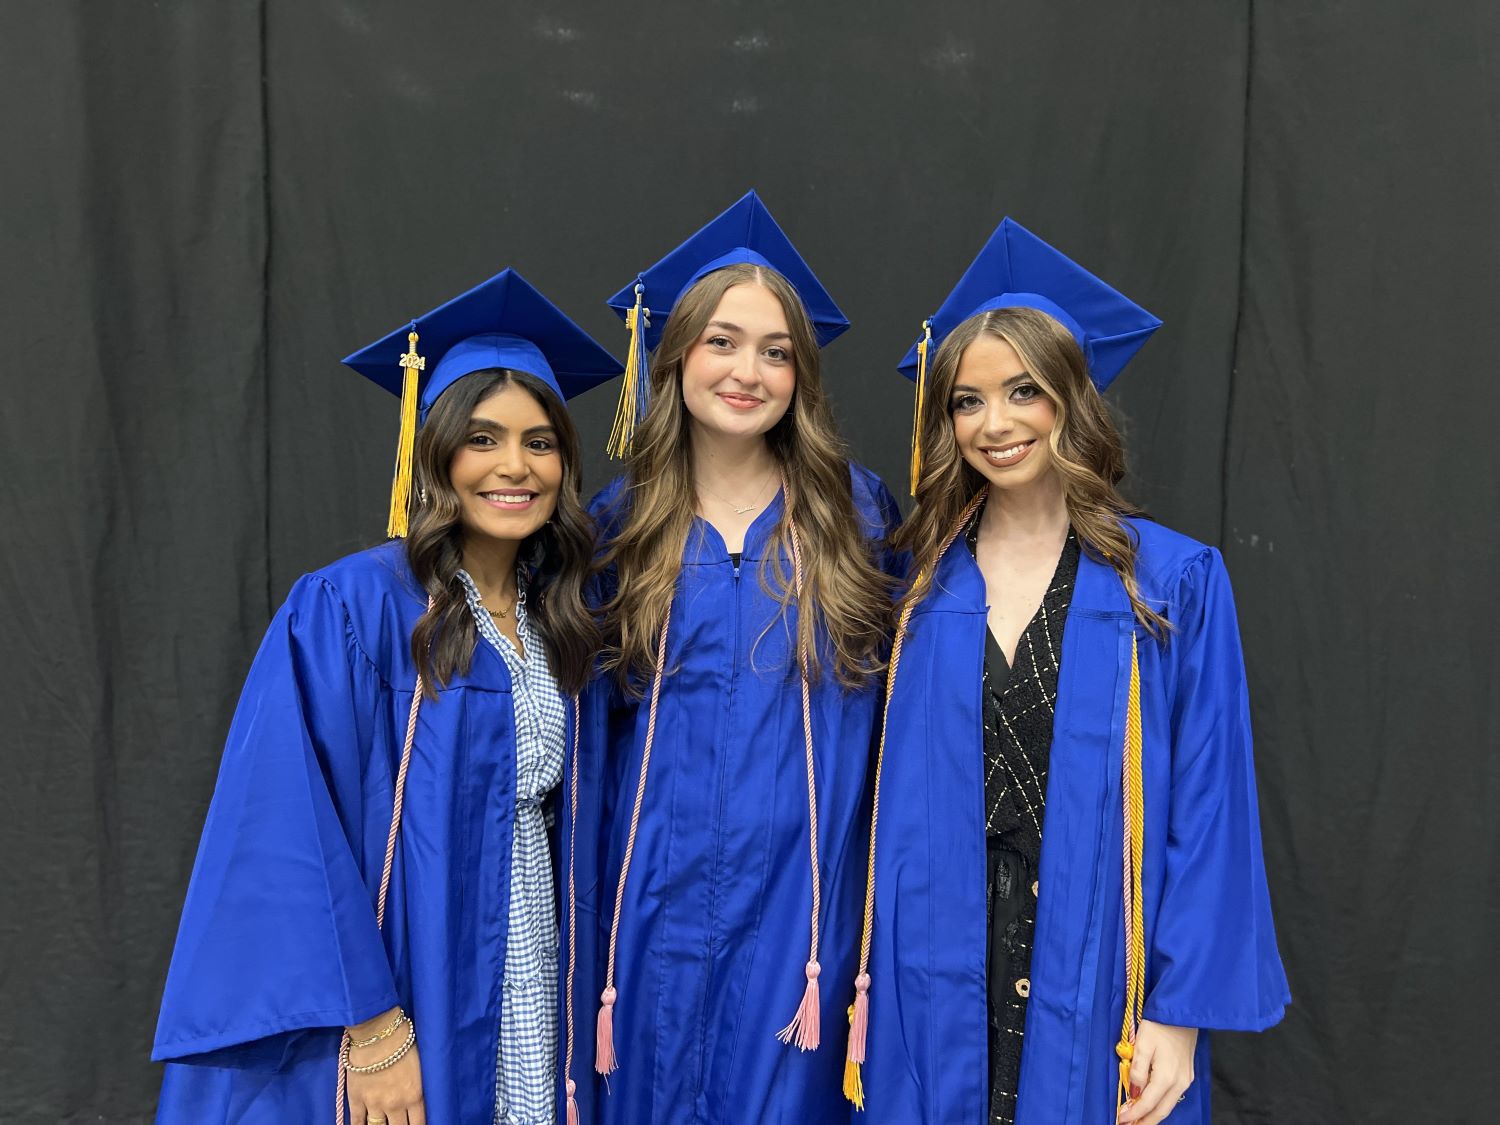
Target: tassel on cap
x=916, y=418
x=411, y=364
x=633, y=388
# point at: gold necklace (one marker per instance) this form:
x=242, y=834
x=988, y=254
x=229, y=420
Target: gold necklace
x=500, y=614
x=737, y=509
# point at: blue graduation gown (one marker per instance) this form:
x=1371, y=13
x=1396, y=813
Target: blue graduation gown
x=1211, y=952
x=278, y=948
x=714, y=931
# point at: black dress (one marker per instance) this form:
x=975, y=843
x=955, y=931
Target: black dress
x=1018, y=704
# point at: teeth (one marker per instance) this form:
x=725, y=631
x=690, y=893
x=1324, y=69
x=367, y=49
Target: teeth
x=507, y=497
x=1006, y=455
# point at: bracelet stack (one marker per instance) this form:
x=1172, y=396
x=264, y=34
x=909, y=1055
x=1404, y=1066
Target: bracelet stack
x=402, y=1019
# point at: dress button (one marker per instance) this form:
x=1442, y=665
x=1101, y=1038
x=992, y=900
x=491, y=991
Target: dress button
x=1023, y=987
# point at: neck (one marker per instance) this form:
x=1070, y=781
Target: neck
x=492, y=564
x=1037, y=511
x=731, y=465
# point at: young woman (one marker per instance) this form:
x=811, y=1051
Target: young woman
x=374, y=868
x=1068, y=886
x=745, y=623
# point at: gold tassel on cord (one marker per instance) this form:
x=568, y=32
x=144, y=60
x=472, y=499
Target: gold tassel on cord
x=916, y=418
x=1134, y=805
x=411, y=364
x=622, y=434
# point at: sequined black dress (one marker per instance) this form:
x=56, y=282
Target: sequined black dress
x=1018, y=707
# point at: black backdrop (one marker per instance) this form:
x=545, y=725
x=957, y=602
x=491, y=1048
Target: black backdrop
x=203, y=205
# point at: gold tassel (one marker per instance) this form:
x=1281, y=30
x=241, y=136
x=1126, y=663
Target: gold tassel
x=1134, y=806
x=622, y=434
x=411, y=363
x=916, y=418
x=854, y=1086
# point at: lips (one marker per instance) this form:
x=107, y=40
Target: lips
x=1003, y=456
x=509, y=499
x=740, y=402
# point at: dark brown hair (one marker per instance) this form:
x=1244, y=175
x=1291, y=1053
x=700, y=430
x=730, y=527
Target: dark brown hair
x=561, y=551
x=1085, y=444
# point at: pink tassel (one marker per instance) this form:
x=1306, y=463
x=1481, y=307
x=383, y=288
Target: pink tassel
x=859, y=1022
x=572, y=1102
x=604, y=1038
x=806, y=1028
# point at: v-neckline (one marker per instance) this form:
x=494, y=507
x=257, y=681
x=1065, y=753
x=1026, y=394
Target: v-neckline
x=971, y=540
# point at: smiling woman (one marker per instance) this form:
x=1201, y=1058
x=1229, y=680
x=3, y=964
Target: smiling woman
x=432, y=676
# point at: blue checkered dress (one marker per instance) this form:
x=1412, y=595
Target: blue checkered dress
x=526, y=1064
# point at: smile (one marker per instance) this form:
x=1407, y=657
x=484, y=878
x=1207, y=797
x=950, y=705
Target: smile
x=508, y=500
x=738, y=401
x=1009, y=454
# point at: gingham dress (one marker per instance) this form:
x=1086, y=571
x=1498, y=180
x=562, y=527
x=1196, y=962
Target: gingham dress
x=526, y=1064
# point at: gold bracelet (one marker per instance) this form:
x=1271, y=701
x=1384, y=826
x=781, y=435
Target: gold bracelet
x=386, y=1034
x=383, y=1064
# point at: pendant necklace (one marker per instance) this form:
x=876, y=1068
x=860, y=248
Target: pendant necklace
x=739, y=511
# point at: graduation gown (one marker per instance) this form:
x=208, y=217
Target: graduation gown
x=278, y=948
x=1212, y=961
x=714, y=931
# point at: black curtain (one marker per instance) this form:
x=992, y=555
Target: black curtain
x=204, y=206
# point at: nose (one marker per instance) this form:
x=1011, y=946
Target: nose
x=510, y=460
x=997, y=420
x=745, y=371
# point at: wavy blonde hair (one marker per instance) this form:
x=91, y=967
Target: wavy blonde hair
x=843, y=618
x=1086, y=451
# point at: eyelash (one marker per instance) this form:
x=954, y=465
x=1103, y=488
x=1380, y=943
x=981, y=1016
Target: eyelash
x=536, y=445
x=969, y=402
x=781, y=354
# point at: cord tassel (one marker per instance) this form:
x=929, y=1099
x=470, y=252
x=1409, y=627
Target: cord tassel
x=572, y=1102
x=859, y=1029
x=916, y=418
x=633, y=388
x=604, y=1034
x=806, y=1029
x=411, y=364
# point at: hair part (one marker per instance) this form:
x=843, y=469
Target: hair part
x=442, y=644
x=1087, y=452
x=845, y=601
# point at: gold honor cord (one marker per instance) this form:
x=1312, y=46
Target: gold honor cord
x=411, y=364
x=1134, y=805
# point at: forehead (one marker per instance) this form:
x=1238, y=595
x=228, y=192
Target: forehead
x=514, y=407
x=753, y=307
x=988, y=360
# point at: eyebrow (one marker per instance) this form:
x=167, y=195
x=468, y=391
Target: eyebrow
x=486, y=424
x=736, y=328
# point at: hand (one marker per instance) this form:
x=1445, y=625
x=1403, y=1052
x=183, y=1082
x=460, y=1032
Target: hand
x=1160, y=1072
x=394, y=1094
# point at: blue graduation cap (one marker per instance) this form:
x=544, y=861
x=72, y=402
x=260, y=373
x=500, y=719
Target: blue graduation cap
x=1016, y=269
x=745, y=233
x=502, y=323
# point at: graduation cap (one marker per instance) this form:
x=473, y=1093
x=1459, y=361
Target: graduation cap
x=745, y=233
x=1016, y=269
x=502, y=323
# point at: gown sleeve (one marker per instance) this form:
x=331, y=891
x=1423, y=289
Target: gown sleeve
x=278, y=931
x=1214, y=957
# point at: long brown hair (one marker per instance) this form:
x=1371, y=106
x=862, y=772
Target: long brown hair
x=1086, y=451
x=442, y=643
x=846, y=598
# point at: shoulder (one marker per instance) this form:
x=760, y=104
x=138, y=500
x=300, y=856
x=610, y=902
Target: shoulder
x=606, y=505
x=872, y=498
x=1169, y=565
x=375, y=595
